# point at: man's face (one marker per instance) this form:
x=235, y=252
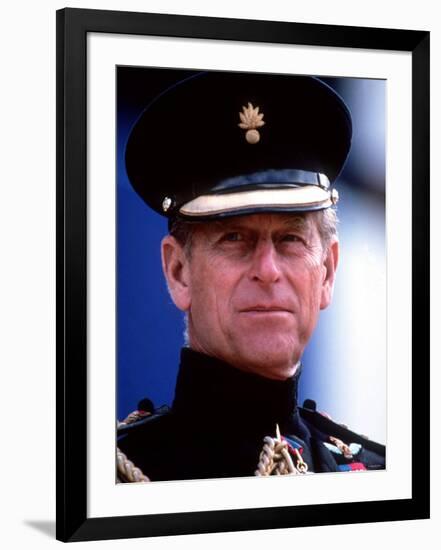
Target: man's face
x=253, y=287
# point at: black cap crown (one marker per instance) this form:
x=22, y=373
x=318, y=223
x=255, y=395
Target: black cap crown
x=220, y=144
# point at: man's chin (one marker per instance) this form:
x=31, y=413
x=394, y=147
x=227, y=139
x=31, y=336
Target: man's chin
x=274, y=363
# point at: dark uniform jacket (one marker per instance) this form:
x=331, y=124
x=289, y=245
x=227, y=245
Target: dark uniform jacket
x=219, y=418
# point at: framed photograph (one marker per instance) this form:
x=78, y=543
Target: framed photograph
x=174, y=125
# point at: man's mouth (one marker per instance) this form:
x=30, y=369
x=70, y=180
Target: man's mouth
x=265, y=309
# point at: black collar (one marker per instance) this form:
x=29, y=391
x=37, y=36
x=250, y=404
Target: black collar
x=213, y=393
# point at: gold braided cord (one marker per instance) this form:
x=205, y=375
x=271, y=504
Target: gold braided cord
x=275, y=459
x=127, y=471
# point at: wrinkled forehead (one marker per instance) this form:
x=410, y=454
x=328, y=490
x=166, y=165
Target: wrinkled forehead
x=263, y=222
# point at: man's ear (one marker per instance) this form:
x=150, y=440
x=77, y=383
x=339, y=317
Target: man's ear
x=330, y=265
x=176, y=271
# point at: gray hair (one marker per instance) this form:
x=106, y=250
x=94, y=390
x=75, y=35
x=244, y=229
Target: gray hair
x=327, y=223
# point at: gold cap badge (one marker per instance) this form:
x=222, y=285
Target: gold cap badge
x=250, y=120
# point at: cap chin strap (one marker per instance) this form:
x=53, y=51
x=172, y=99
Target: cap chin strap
x=301, y=198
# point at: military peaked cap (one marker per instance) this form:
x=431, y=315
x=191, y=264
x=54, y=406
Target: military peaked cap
x=220, y=144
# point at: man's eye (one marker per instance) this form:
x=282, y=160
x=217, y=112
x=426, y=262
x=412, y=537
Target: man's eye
x=234, y=236
x=290, y=238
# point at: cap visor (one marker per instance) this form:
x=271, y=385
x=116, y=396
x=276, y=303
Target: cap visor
x=308, y=197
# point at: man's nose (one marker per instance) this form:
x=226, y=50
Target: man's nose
x=265, y=263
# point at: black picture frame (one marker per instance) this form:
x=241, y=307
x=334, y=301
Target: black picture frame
x=73, y=25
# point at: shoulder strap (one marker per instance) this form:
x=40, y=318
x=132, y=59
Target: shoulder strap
x=329, y=427
x=135, y=421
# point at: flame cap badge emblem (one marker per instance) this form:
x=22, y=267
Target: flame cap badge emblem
x=250, y=120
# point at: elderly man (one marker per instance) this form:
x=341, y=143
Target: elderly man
x=243, y=167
